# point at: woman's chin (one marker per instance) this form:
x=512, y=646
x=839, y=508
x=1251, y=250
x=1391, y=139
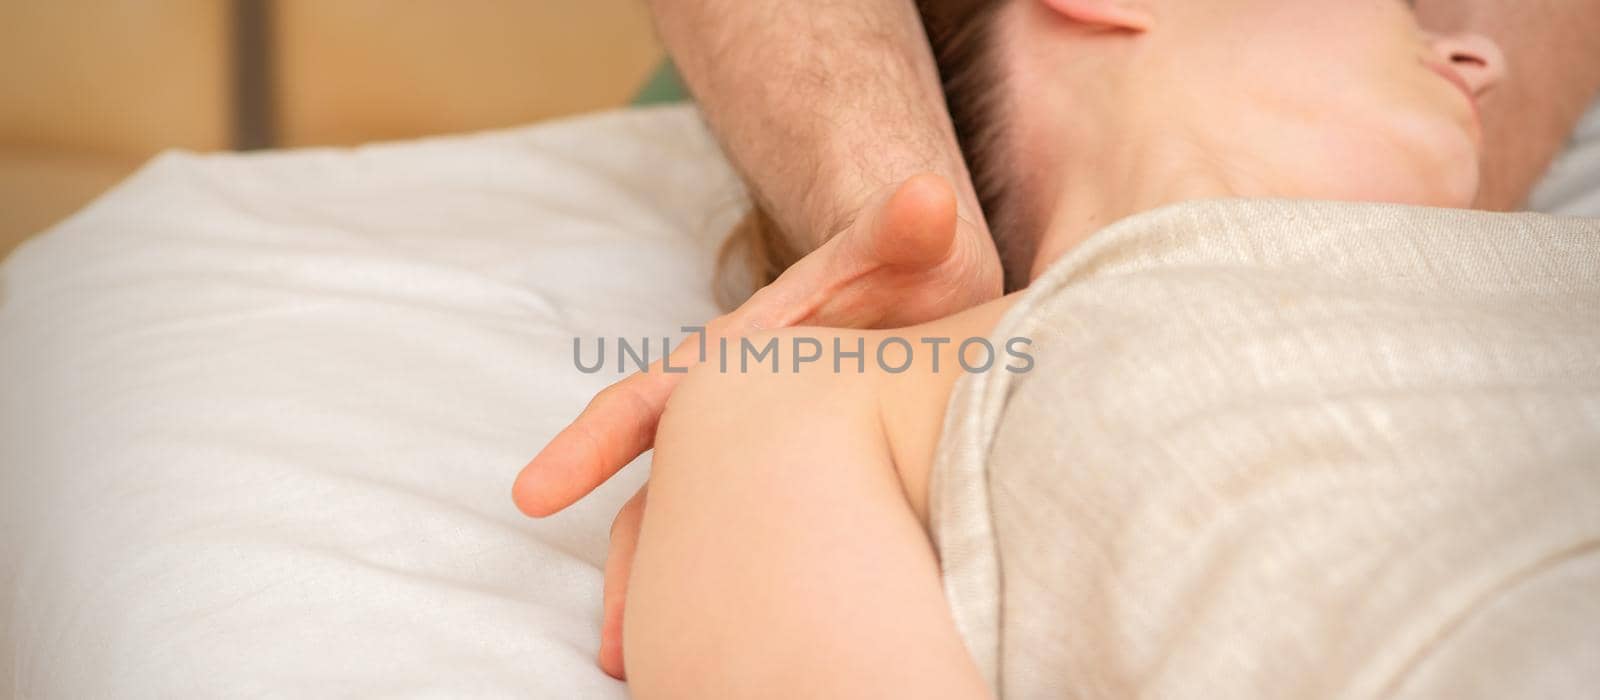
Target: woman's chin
x=1460, y=189
x=1455, y=174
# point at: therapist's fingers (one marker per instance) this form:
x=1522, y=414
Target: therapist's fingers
x=619, y=562
x=618, y=425
x=894, y=265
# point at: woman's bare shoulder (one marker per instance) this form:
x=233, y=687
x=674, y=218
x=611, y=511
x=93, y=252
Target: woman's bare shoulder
x=912, y=403
x=886, y=387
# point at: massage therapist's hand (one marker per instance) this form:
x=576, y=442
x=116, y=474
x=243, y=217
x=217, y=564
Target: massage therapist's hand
x=907, y=258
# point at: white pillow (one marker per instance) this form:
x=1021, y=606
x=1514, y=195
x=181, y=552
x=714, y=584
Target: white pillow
x=261, y=413
x=1573, y=184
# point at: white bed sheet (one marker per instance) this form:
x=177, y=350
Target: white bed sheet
x=259, y=414
x=1573, y=184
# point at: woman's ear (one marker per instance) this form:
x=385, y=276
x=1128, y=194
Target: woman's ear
x=1126, y=15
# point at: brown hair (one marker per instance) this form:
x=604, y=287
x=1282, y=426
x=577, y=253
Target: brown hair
x=960, y=33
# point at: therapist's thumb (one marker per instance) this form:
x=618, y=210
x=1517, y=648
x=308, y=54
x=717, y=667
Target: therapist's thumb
x=915, y=226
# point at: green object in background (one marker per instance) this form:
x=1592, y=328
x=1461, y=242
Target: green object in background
x=663, y=87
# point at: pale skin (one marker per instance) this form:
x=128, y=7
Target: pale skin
x=895, y=245
x=784, y=549
x=795, y=562
x=1552, y=77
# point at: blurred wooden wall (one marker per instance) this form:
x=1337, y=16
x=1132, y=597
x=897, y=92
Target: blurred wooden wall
x=91, y=88
x=88, y=89
x=357, y=70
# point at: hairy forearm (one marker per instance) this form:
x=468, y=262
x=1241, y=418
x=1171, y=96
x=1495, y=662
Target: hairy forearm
x=1554, y=73
x=818, y=104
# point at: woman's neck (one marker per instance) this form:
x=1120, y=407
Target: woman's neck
x=1125, y=176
